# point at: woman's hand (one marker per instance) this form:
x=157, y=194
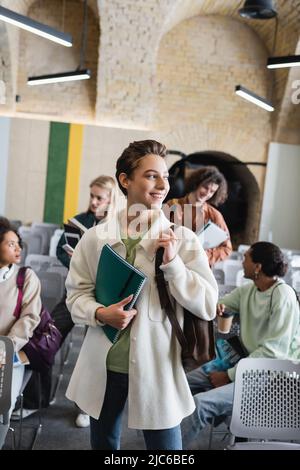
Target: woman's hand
x=220, y=309
x=115, y=315
x=168, y=241
x=69, y=252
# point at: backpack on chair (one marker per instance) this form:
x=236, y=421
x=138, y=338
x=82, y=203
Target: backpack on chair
x=46, y=339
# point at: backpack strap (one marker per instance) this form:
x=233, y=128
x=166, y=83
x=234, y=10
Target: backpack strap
x=281, y=284
x=20, y=285
x=165, y=301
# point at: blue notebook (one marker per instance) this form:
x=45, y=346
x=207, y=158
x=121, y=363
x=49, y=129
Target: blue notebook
x=116, y=279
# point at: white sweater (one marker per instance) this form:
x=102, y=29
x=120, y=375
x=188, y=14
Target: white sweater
x=159, y=396
x=21, y=330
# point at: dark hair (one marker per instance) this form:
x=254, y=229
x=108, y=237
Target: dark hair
x=5, y=227
x=270, y=257
x=207, y=175
x=129, y=160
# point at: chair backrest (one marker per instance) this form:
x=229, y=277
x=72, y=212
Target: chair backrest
x=235, y=255
x=62, y=270
x=230, y=268
x=47, y=229
x=224, y=289
x=52, y=288
x=41, y=262
x=54, y=241
x=266, y=401
x=23, y=253
x=45, y=237
x=240, y=279
x=243, y=248
x=219, y=275
x=295, y=279
x=6, y=368
x=37, y=243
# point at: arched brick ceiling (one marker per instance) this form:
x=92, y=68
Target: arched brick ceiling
x=288, y=35
x=169, y=13
x=22, y=6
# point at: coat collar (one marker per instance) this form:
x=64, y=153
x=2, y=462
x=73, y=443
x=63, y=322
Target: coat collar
x=112, y=230
x=6, y=272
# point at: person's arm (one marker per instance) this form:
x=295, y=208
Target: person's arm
x=232, y=300
x=191, y=281
x=222, y=251
x=23, y=328
x=283, y=323
x=219, y=253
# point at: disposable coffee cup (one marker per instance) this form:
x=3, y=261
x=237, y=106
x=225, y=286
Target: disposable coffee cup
x=225, y=322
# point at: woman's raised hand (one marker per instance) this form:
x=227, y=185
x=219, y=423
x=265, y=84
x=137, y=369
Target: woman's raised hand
x=168, y=241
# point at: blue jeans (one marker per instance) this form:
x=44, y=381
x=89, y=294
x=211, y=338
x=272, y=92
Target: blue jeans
x=210, y=403
x=106, y=431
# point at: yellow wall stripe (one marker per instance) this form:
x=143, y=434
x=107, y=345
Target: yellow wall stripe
x=73, y=170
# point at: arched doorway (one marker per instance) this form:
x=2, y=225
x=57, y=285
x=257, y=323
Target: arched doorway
x=241, y=211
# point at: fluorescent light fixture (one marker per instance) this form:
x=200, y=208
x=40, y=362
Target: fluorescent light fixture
x=59, y=77
x=250, y=96
x=258, y=10
x=35, y=27
x=284, y=61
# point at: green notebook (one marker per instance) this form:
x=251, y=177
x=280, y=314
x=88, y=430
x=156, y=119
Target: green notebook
x=116, y=279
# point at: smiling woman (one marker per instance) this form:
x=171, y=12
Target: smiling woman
x=205, y=189
x=144, y=364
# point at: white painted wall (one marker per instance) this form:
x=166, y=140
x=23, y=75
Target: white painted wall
x=27, y=168
x=102, y=146
x=4, y=155
x=280, y=220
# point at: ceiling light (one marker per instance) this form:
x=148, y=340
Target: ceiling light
x=250, y=96
x=59, y=77
x=35, y=27
x=284, y=61
x=258, y=10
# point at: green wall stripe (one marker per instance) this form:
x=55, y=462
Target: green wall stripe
x=56, y=172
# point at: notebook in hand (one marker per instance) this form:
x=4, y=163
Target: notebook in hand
x=229, y=352
x=72, y=235
x=116, y=279
x=73, y=222
x=212, y=235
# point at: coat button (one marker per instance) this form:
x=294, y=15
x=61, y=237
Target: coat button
x=133, y=361
x=134, y=338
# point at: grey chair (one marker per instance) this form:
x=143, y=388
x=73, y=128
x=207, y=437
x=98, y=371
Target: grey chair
x=266, y=406
x=37, y=428
x=52, y=288
x=6, y=361
x=225, y=289
x=219, y=276
x=41, y=262
x=6, y=369
x=46, y=230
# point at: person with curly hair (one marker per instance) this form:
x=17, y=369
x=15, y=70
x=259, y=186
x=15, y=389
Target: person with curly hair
x=268, y=311
x=19, y=330
x=206, y=189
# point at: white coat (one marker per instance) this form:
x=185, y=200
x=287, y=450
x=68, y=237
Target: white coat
x=159, y=396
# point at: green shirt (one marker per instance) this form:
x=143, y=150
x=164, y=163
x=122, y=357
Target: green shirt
x=269, y=323
x=118, y=356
